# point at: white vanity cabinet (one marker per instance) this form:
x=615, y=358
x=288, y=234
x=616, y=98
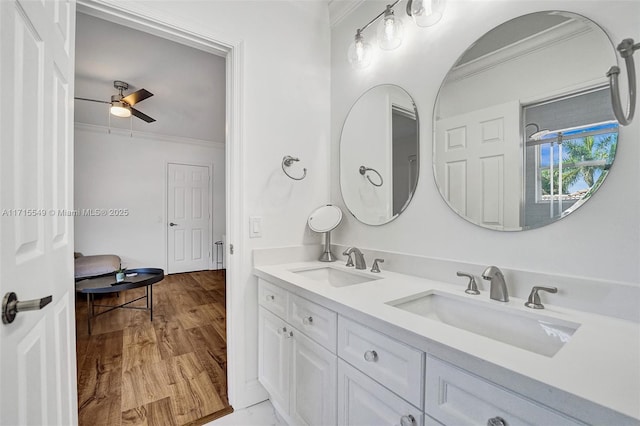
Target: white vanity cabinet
x=457, y=397
x=299, y=374
x=323, y=368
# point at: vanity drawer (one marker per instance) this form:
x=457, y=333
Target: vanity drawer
x=456, y=397
x=272, y=298
x=317, y=322
x=395, y=365
x=361, y=401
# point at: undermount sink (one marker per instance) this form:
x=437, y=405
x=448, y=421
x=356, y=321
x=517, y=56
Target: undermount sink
x=333, y=277
x=536, y=333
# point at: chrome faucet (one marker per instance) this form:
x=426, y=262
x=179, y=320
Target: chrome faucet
x=498, y=289
x=359, y=257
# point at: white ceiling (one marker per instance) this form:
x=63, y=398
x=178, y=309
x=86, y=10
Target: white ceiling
x=188, y=84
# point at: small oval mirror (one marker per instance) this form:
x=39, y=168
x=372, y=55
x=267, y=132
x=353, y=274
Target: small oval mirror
x=379, y=154
x=325, y=218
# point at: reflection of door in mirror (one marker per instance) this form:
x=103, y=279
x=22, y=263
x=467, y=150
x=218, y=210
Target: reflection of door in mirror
x=405, y=134
x=570, y=144
x=479, y=164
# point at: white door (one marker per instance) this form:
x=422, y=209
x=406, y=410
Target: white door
x=313, y=380
x=479, y=165
x=362, y=401
x=188, y=218
x=274, y=353
x=37, y=349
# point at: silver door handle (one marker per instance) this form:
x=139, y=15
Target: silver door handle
x=11, y=306
x=173, y=224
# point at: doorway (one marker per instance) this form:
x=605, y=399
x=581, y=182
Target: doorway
x=193, y=312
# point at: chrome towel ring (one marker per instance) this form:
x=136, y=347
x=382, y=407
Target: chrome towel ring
x=364, y=170
x=626, y=49
x=287, y=161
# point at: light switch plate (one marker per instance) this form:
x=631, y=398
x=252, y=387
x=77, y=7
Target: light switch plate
x=255, y=227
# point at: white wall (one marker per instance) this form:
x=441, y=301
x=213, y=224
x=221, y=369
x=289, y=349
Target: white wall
x=285, y=85
x=600, y=240
x=115, y=171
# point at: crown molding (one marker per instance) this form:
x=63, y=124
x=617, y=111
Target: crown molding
x=527, y=46
x=340, y=9
x=148, y=135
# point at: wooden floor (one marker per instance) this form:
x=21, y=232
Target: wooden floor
x=171, y=371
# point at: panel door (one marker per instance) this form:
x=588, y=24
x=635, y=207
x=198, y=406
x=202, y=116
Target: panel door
x=364, y=402
x=479, y=166
x=37, y=349
x=274, y=354
x=313, y=382
x=188, y=218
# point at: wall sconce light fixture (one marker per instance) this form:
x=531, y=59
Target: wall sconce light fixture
x=390, y=30
x=425, y=12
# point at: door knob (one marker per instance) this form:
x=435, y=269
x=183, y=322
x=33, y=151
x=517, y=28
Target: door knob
x=173, y=224
x=11, y=306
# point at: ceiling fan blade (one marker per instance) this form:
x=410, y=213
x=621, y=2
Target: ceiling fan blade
x=142, y=116
x=137, y=96
x=92, y=100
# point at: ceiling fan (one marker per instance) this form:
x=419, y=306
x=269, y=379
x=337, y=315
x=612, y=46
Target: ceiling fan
x=122, y=106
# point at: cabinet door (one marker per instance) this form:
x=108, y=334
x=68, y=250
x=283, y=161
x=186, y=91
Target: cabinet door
x=313, y=382
x=274, y=353
x=362, y=401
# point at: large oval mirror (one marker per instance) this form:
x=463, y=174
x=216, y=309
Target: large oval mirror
x=524, y=132
x=379, y=154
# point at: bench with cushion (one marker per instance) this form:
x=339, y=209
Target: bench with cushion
x=92, y=266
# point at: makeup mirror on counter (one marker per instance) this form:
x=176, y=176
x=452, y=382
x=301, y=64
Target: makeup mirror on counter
x=324, y=219
x=379, y=149
x=524, y=132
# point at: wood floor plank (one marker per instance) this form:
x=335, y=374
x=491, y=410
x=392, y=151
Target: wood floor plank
x=171, y=338
x=183, y=368
x=100, y=412
x=171, y=370
x=144, y=384
x=157, y=413
x=198, y=316
x=194, y=399
x=217, y=372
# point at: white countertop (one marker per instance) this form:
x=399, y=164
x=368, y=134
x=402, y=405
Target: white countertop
x=601, y=362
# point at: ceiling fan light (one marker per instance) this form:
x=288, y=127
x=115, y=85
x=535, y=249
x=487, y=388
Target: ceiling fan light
x=120, y=109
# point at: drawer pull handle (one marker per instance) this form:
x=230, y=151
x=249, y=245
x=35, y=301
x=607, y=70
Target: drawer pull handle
x=270, y=298
x=307, y=320
x=288, y=335
x=407, y=420
x=496, y=421
x=282, y=330
x=371, y=356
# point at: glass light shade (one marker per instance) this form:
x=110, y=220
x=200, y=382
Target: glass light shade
x=359, y=53
x=120, y=109
x=426, y=12
x=389, y=31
